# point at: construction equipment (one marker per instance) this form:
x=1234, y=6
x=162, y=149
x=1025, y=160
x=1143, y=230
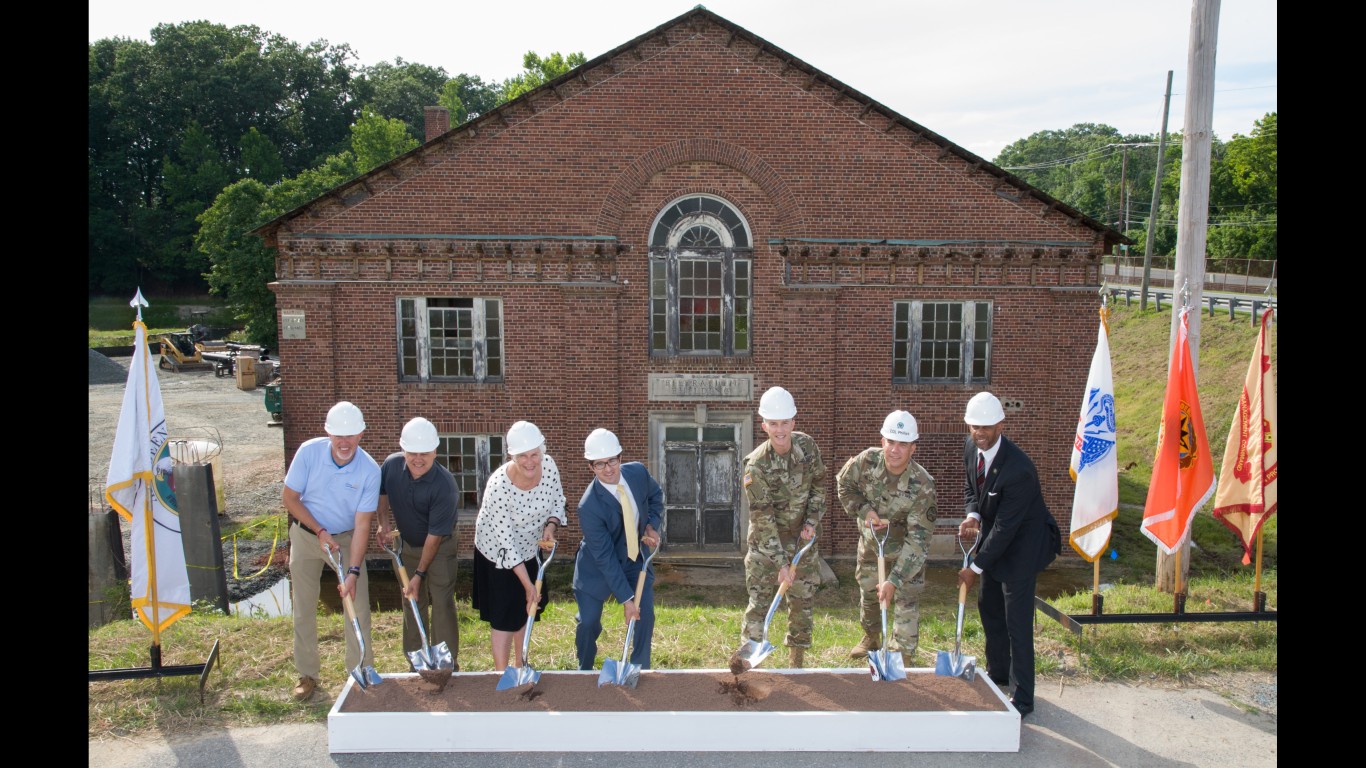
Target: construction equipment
x=753, y=652
x=626, y=673
x=958, y=665
x=364, y=674
x=180, y=353
x=515, y=676
x=884, y=664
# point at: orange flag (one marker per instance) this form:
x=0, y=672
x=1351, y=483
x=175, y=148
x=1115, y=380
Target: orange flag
x=1183, y=471
x=1247, y=482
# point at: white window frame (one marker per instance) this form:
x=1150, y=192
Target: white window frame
x=487, y=456
x=913, y=338
x=486, y=352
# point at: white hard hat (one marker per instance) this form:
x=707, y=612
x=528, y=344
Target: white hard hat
x=777, y=403
x=523, y=437
x=419, y=436
x=601, y=444
x=900, y=426
x=984, y=410
x=344, y=420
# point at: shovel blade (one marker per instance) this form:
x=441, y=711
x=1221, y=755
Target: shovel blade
x=631, y=675
x=610, y=673
x=753, y=652
x=365, y=676
x=950, y=665
x=518, y=676
x=887, y=665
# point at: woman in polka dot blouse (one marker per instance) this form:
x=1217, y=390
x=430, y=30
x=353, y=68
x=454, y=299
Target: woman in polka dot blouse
x=523, y=507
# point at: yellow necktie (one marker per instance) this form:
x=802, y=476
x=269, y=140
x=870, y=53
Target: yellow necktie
x=628, y=519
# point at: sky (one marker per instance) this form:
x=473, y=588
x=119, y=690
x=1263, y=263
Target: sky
x=980, y=73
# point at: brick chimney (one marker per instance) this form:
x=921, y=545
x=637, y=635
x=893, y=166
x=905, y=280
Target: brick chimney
x=437, y=121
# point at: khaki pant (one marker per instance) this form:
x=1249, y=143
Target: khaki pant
x=436, y=598
x=306, y=565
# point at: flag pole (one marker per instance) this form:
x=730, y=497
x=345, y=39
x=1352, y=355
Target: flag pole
x=139, y=479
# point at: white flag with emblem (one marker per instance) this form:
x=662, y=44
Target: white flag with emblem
x=139, y=488
x=1094, y=467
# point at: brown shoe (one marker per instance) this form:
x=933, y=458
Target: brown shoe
x=795, y=657
x=868, y=643
x=304, y=690
x=908, y=660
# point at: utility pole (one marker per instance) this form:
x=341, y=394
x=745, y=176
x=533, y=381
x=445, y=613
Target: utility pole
x=1157, y=196
x=1193, y=219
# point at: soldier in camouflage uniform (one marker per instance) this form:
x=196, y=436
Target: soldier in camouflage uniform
x=784, y=482
x=882, y=487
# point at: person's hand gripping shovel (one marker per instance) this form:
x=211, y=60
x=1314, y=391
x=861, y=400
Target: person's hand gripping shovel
x=957, y=665
x=885, y=664
x=515, y=676
x=625, y=673
x=433, y=662
x=364, y=675
x=753, y=652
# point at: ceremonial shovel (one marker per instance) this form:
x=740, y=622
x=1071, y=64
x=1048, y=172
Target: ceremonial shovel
x=753, y=652
x=364, y=674
x=429, y=657
x=515, y=676
x=884, y=664
x=626, y=673
x=958, y=665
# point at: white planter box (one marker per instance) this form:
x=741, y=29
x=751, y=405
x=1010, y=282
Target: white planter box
x=569, y=731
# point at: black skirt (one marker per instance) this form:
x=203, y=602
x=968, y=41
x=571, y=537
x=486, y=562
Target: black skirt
x=499, y=595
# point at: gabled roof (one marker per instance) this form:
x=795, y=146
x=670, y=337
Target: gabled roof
x=1005, y=185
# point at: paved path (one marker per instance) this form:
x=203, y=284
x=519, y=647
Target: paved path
x=1095, y=724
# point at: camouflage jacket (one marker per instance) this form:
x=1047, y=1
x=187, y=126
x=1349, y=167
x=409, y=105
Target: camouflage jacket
x=908, y=501
x=784, y=493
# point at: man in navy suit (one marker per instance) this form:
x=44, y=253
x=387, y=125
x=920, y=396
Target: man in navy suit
x=1019, y=538
x=603, y=566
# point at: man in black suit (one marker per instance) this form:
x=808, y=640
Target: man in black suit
x=1019, y=538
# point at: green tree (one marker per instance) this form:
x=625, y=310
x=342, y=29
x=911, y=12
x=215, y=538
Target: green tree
x=241, y=265
x=538, y=71
x=259, y=158
x=224, y=81
x=404, y=90
x=376, y=140
x=468, y=97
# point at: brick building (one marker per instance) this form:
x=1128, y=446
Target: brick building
x=649, y=242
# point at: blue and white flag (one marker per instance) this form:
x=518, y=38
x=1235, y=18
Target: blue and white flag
x=139, y=488
x=1094, y=467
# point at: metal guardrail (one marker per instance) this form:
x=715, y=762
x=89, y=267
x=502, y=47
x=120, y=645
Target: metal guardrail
x=1252, y=305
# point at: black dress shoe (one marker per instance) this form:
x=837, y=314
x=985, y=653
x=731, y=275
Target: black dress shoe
x=1023, y=709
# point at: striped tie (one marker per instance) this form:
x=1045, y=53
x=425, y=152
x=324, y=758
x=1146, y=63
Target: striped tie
x=981, y=473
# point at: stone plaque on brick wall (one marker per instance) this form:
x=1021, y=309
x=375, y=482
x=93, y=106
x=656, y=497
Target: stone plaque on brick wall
x=701, y=386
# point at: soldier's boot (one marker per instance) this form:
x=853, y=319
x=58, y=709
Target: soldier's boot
x=868, y=643
x=796, y=656
x=908, y=660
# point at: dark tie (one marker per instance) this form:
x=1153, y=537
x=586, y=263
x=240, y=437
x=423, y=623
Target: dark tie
x=981, y=473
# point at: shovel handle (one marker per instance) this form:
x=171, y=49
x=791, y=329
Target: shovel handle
x=962, y=592
x=350, y=608
x=640, y=586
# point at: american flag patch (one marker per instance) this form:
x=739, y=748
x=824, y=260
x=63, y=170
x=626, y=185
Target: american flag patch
x=748, y=479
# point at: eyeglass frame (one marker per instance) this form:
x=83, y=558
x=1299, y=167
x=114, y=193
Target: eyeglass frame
x=601, y=464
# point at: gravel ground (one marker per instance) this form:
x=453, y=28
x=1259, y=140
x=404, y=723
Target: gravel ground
x=202, y=406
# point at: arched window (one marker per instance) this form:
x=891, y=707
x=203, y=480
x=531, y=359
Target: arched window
x=700, y=279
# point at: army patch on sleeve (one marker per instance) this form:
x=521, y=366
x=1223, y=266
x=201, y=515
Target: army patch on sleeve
x=749, y=478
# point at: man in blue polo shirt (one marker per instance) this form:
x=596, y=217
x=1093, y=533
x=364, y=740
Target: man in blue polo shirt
x=331, y=493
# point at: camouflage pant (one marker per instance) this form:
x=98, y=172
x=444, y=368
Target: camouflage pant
x=904, y=613
x=761, y=580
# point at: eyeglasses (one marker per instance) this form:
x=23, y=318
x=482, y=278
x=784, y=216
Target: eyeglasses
x=605, y=463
